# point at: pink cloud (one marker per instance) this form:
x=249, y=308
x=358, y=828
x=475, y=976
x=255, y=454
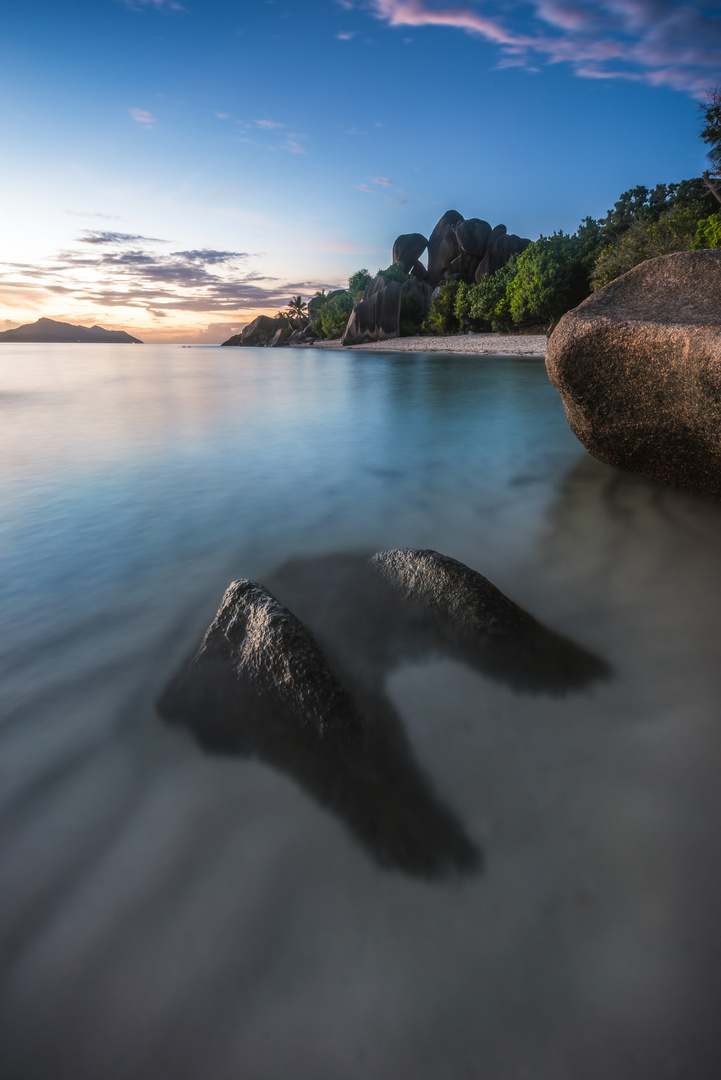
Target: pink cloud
x=662, y=42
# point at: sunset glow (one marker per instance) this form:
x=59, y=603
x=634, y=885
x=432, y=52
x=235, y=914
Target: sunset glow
x=176, y=169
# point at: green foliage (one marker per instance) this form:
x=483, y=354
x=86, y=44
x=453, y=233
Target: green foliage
x=335, y=313
x=358, y=284
x=674, y=230
x=441, y=318
x=550, y=279
x=708, y=233
x=395, y=272
x=412, y=312
x=488, y=298
x=711, y=132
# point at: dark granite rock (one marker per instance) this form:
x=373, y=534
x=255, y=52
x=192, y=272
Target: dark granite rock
x=473, y=235
x=408, y=249
x=377, y=315
x=499, y=251
x=419, y=293
x=260, y=685
x=260, y=331
x=638, y=366
x=481, y=624
x=256, y=666
x=312, y=702
x=443, y=246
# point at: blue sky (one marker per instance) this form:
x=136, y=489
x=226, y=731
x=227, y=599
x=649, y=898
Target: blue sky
x=175, y=168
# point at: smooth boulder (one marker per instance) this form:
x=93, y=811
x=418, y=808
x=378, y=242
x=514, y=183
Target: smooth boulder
x=377, y=314
x=260, y=331
x=638, y=366
x=408, y=249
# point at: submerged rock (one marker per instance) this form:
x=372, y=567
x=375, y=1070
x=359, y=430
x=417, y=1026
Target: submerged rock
x=260, y=685
x=300, y=684
x=638, y=366
x=476, y=621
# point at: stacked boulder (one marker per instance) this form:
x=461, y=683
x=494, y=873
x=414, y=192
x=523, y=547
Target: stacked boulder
x=469, y=249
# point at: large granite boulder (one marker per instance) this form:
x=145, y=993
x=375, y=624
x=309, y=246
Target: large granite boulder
x=638, y=366
x=501, y=247
x=443, y=246
x=408, y=249
x=473, y=235
x=377, y=314
x=469, y=250
x=260, y=331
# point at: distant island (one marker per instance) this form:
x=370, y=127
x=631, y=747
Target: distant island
x=50, y=330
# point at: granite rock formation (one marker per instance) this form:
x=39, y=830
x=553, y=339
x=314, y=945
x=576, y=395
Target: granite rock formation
x=260, y=331
x=49, y=330
x=377, y=315
x=468, y=249
x=638, y=366
x=407, y=251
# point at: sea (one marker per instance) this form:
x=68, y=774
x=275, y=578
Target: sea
x=173, y=911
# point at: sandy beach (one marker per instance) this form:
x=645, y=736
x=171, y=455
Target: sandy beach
x=476, y=344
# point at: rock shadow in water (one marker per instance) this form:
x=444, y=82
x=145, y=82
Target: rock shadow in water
x=313, y=705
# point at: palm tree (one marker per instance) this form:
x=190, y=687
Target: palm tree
x=297, y=306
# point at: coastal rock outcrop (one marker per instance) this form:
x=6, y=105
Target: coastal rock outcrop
x=469, y=249
x=260, y=331
x=501, y=248
x=377, y=315
x=638, y=366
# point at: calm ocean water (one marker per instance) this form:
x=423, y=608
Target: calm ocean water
x=169, y=913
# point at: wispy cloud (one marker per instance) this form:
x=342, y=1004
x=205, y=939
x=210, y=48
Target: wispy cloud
x=196, y=280
x=346, y=35
x=143, y=117
x=92, y=236
x=662, y=42
x=268, y=125
x=390, y=193
x=159, y=5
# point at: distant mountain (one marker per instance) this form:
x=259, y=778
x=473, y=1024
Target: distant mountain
x=50, y=330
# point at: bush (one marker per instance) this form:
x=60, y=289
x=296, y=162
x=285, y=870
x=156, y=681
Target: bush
x=489, y=305
x=358, y=284
x=675, y=230
x=708, y=233
x=441, y=317
x=550, y=279
x=335, y=313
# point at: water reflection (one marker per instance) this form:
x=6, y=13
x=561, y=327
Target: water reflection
x=259, y=685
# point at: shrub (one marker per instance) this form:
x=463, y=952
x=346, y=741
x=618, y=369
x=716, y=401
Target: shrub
x=674, y=231
x=358, y=284
x=550, y=279
x=335, y=313
x=488, y=298
x=441, y=317
x=708, y=233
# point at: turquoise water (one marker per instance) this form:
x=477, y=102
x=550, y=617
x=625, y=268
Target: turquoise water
x=168, y=913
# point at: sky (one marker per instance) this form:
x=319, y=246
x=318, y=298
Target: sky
x=174, y=168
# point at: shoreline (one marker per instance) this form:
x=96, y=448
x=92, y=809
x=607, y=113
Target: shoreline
x=483, y=344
